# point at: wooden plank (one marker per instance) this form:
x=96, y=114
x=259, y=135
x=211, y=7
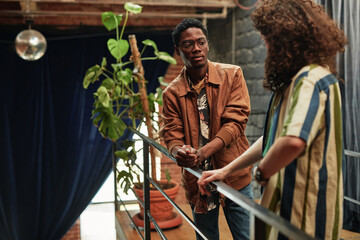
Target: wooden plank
x=175, y=3
x=185, y=232
x=87, y=12
x=348, y=235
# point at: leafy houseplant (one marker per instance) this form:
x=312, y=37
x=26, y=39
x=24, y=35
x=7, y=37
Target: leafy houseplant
x=116, y=101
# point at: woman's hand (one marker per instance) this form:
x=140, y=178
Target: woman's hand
x=210, y=176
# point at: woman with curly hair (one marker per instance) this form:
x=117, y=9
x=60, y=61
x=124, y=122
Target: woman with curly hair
x=301, y=151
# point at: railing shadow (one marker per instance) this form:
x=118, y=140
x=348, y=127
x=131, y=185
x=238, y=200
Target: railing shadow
x=259, y=216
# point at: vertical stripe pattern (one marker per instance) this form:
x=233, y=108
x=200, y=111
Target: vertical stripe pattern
x=308, y=192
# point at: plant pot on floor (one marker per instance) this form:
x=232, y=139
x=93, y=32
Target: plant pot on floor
x=160, y=208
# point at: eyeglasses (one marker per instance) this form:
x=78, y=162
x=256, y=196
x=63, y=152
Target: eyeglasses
x=189, y=45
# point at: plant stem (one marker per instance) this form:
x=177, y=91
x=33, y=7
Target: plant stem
x=142, y=51
x=122, y=113
x=149, y=58
x=125, y=21
x=126, y=63
x=106, y=75
x=122, y=93
x=145, y=58
x=117, y=107
x=117, y=29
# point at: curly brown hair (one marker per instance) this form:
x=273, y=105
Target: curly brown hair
x=297, y=33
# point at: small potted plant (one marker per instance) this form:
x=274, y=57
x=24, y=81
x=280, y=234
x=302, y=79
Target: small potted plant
x=116, y=102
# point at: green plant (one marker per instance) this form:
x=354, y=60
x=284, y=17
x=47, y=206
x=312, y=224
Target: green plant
x=115, y=100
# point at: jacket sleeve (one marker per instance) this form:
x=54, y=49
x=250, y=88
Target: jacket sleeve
x=236, y=111
x=172, y=129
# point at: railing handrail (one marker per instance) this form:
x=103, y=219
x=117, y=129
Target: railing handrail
x=352, y=153
x=267, y=216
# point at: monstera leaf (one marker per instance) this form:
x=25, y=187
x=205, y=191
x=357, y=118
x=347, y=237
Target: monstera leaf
x=165, y=57
x=150, y=43
x=92, y=75
x=111, y=20
x=103, y=95
x=110, y=127
x=125, y=76
x=161, y=55
x=118, y=48
x=133, y=8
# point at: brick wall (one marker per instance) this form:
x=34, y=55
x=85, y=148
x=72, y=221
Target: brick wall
x=74, y=232
x=174, y=70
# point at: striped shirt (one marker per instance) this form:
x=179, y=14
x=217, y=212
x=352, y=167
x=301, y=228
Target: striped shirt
x=309, y=191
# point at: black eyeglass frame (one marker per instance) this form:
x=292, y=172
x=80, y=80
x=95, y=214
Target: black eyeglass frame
x=188, y=45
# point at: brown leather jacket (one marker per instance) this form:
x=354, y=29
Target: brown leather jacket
x=229, y=105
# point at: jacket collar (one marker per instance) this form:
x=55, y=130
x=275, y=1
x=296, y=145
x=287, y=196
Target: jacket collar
x=214, y=78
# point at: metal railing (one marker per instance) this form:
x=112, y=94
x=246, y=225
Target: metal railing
x=353, y=154
x=259, y=216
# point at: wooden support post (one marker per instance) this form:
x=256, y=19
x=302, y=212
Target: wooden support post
x=139, y=71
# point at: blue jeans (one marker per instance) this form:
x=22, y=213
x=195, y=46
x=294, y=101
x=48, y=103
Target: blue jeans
x=237, y=218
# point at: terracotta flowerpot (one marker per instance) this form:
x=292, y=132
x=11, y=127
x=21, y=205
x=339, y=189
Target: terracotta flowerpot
x=160, y=208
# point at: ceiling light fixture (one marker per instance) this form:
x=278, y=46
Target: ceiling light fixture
x=30, y=44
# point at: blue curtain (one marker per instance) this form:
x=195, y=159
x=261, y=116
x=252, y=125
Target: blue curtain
x=52, y=159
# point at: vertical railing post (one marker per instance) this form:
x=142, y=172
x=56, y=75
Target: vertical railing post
x=259, y=229
x=146, y=191
x=252, y=226
x=115, y=183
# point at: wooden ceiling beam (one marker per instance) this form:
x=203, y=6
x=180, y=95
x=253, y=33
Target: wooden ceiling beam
x=74, y=22
x=88, y=12
x=181, y=3
x=143, y=15
x=27, y=8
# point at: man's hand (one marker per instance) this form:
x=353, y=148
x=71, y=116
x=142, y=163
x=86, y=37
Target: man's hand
x=209, y=176
x=209, y=149
x=200, y=156
x=185, y=155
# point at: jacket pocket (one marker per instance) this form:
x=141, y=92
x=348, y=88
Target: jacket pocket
x=229, y=154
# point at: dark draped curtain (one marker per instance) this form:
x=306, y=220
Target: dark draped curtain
x=52, y=159
x=347, y=14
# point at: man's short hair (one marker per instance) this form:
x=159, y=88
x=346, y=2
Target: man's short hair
x=185, y=24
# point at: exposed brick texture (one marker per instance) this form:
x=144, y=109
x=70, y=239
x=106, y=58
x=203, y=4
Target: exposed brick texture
x=174, y=70
x=74, y=232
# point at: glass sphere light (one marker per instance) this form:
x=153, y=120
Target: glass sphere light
x=30, y=45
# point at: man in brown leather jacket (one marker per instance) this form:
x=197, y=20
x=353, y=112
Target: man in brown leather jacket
x=205, y=112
